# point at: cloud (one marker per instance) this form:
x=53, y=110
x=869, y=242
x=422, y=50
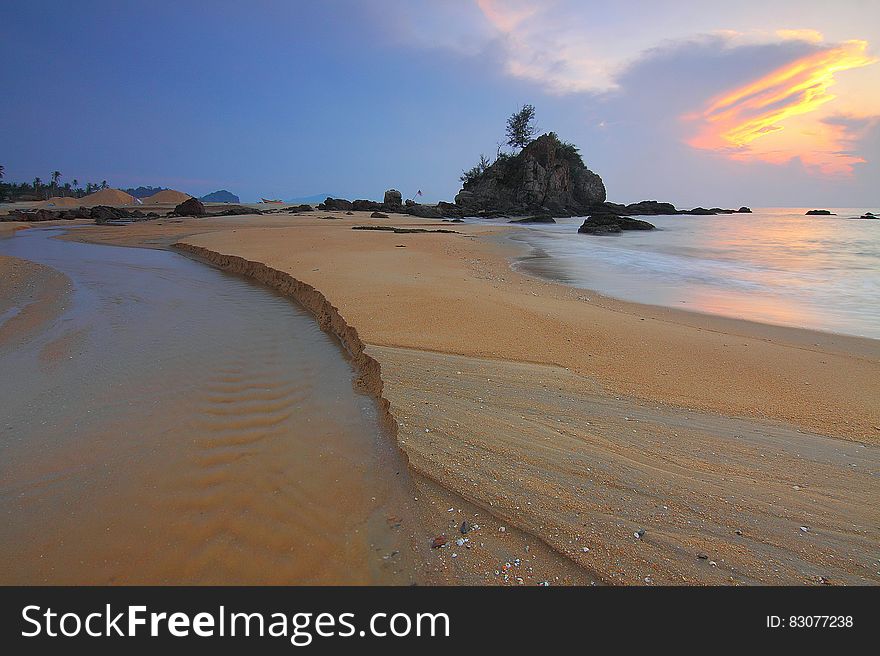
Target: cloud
x=539, y=47
x=781, y=115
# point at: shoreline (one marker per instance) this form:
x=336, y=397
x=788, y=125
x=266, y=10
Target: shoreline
x=519, y=265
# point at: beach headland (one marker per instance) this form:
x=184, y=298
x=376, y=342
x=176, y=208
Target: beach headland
x=641, y=444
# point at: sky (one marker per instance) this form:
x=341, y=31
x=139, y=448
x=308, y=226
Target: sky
x=760, y=103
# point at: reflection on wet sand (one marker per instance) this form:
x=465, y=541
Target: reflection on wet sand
x=180, y=425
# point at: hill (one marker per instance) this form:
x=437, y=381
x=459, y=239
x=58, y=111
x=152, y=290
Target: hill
x=221, y=196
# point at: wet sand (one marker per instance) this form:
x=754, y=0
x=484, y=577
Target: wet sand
x=31, y=296
x=577, y=420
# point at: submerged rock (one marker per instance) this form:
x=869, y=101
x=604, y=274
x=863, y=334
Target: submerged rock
x=607, y=224
x=820, y=213
x=543, y=218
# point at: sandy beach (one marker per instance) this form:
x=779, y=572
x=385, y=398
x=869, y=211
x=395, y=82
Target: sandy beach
x=622, y=443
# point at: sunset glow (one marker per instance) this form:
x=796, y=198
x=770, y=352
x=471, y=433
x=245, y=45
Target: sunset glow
x=782, y=115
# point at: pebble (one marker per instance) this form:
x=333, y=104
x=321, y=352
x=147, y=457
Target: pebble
x=805, y=529
x=638, y=534
x=466, y=527
x=438, y=542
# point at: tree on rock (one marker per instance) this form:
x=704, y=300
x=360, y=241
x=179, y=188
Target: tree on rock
x=521, y=127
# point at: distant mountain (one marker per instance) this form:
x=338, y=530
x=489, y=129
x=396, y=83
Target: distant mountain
x=310, y=200
x=144, y=192
x=221, y=196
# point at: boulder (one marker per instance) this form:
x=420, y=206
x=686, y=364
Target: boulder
x=603, y=224
x=335, y=204
x=393, y=198
x=103, y=213
x=424, y=211
x=744, y=210
x=190, y=207
x=819, y=213
x=548, y=174
x=238, y=210
x=378, y=215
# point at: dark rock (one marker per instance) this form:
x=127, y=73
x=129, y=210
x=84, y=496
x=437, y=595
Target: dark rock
x=820, y=213
x=238, y=210
x=604, y=224
x=335, y=204
x=402, y=230
x=464, y=197
x=542, y=218
x=365, y=206
x=645, y=208
x=378, y=215
x=393, y=198
x=103, y=214
x=450, y=209
x=869, y=215
x=546, y=174
x=424, y=211
x=190, y=207
x=293, y=209
x=438, y=542
x=744, y=210
x=466, y=527
x=700, y=211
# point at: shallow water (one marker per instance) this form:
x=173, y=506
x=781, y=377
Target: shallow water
x=177, y=424
x=775, y=265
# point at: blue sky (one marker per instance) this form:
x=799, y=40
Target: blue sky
x=287, y=99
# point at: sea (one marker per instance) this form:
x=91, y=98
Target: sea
x=775, y=265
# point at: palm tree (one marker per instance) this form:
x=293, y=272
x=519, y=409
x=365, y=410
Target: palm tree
x=75, y=183
x=37, y=183
x=103, y=184
x=55, y=176
x=2, y=171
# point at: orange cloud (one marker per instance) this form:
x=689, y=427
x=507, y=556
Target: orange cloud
x=777, y=118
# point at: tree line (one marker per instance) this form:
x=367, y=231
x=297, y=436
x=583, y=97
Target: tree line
x=39, y=189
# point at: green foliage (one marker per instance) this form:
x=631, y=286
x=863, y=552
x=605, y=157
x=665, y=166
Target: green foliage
x=521, y=127
x=476, y=171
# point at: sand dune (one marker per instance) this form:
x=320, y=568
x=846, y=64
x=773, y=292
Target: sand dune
x=107, y=197
x=167, y=196
x=59, y=201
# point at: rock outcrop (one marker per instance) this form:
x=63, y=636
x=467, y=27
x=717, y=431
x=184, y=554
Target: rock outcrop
x=820, y=213
x=393, y=198
x=547, y=177
x=608, y=224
